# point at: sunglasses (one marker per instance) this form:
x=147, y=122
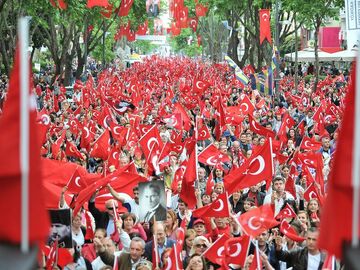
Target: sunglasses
x=111, y=208
x=201, y=246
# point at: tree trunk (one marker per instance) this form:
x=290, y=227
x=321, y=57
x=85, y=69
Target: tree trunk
x=4, y=57
x=317, y=28
x=233, y=46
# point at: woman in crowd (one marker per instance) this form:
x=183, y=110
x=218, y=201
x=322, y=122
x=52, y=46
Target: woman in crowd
x=197, y=262
x=131, y=227
x=188, y=243
x=313, y=210
x=77, y=231
x=171, y=224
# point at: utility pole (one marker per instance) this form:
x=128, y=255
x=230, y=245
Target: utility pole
x=277, y=46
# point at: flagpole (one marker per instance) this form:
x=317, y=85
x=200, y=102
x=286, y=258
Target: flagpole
x=356, y=160
x=23, y=40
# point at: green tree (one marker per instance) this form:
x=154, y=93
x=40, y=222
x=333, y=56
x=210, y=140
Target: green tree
x=314, y=14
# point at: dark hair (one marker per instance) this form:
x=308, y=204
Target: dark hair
x=77, y=249
x=278, y=178
x=156, y=188
x=202, y=259
x=126, y=215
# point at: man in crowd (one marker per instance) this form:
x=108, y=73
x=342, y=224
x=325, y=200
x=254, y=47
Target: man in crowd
x=308, y=257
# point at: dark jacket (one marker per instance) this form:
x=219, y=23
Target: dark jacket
x=297, y=258
x=149, y=248
x=101, y=218
x=124, y=260
x=259, y=197
x=238, y=207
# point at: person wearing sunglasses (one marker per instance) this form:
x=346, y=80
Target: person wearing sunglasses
x=105, y=219
x=200, y=244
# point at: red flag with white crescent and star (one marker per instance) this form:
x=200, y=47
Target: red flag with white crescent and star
x=265, y=30
x=255, y=169
x=212, y=156
x=76, y=183
x=257, y=220
x=236, y=250
x=218, y=208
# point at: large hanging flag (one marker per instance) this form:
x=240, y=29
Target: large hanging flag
x=125, y=7
x=265, y=31
x=11, y=171
x=343, y=180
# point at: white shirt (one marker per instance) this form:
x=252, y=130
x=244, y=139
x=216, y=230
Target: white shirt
x=79, y=238
x=97, y=264
x=313, y=261
x=278, y=202
x=134, y=206
x=110, y=227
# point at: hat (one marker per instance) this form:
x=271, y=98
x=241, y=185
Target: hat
x=199, y=220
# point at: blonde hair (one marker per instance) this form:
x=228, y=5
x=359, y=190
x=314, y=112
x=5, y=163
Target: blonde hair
x=197, y=240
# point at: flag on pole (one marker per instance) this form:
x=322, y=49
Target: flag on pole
x=265, y=31
x=343, y=180
x=239, y=74
x=10, y=167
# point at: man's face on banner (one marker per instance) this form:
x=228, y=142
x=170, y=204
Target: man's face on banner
x=59, y=231
x=152, y=197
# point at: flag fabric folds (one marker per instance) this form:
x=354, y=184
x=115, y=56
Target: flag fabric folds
x=265, y=31
x=10, y=169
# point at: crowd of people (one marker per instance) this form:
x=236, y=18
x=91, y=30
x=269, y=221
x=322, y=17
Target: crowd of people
x=190, y=103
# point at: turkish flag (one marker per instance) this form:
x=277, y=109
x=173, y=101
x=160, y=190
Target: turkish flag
x=256, y=263
x=289, y=232
x=265, y=30
x=312, y=193
x=203, y=133
x=236, y=250
x=257, y=220
x=51, y=254
x=310, y=144
x=210, y=183
x=193, y=23
x=218, y=208
x=151, y=141
x=118, y=133
x=216, y=252
x=10, y=164
x=107, y=11
x=200, y=10
x=72, y=151
x=257, y=168
x=76, y=183
x=97, y=3
x=309, y=159
x=187, y=193
x=199, y=86
x=287, y=123
x=89, y=235
x=59, y=3
x=329, y=263
x=86, y=138
x=212, y=156
x=125, y=7
x=142, y=28
x=246, y=106
x=55, y=147
x=286, y=212
x=259, y=129
x=173, y=262
x=100, y=148
x=173, y=121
